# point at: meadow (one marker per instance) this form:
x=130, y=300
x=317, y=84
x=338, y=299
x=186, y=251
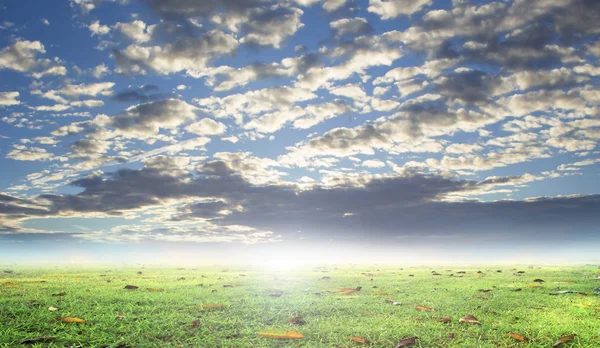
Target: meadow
x=510, y=306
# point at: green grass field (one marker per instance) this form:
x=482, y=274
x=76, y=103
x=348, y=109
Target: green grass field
x=383, y=312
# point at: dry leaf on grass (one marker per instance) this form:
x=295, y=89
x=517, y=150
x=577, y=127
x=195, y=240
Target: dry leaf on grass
x=71, y=320
x=358, y=339
x=518, y=337
x=445, y=319
x=349, y=290
x=564, y=339
x=297, y=321
x=380, y=293
x=131, y=287
x=469, y=319
x=407, y=342
x=62, y=293
x=282, y=334
x=195, y=323
x=423, y=308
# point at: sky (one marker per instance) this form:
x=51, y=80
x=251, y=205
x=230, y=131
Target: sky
x=295, y=131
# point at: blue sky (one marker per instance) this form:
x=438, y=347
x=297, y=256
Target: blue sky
x=224, y=126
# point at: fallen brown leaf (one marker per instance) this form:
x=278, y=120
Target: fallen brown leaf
x=358, y=339
x=195, y=323
x=407, y=342
x=349, y=290
x=131, y=287
x=564, y=339
x=71, y=320
x=284, y=334
x=469, y=319
x=445, y=319
x=423, y=308
x=297, y=321
x=518, y=337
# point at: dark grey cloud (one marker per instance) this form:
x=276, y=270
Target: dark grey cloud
x=182, y=9
x=472, y=86
x=143, y=94
x=515, y=35
x=149, y=118
x=378, y=209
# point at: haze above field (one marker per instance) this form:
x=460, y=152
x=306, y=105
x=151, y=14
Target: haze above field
x=299, y=131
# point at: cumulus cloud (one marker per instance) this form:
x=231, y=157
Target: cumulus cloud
x=271, y=28
x=353, y=26
x=9, y=98
x=137, y=31
x=23, y=56
x=98, y=29
x=206, y=126
x=148, y=119
x=189, y=54
x=394, y=8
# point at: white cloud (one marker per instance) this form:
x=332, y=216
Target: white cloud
x=98, y=29
x=9, y=98
x=333, y=5
x=394, y=8
x=100, y=71
x=21, y=56
x=373, y=164
x=189, y=54
x=55, y=70
x=346, y=26
x=274, y=31
x=92, y=89
x=349, y=91
x=137, y=31
x=207, y=127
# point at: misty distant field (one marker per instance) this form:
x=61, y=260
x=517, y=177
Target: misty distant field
x=329, y=307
